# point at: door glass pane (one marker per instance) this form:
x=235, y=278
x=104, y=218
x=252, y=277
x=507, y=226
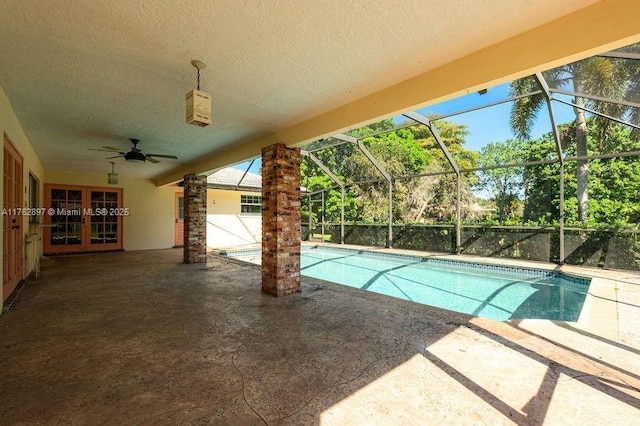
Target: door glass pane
x=67, y=219
x=181, y=208
x=58, y=194
x=104, y=220
x=74, y=194
x=74, y=235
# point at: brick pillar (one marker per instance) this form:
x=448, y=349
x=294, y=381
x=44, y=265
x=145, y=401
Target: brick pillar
x=280, y=220
x=195, y=219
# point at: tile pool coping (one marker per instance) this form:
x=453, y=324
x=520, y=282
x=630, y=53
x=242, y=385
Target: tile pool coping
x=466, y=265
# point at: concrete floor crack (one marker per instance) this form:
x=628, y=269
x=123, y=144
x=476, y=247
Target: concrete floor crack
x=233, y=362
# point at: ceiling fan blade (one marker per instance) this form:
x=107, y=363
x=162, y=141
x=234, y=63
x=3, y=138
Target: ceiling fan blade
x=111, y=148
x=117, y=156
x=103, y=150
x=152, y=160
x=162, y=156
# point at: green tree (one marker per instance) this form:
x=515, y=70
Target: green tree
x=400, y=152
x=504, y=184
x=614, y=184
x=600, y=76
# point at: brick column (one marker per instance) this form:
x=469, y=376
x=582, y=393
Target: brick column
x=195, y=219
x=280, y=220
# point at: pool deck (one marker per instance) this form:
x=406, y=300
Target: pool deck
x=140, y=338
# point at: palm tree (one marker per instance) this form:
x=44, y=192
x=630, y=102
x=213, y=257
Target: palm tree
x=606, y=77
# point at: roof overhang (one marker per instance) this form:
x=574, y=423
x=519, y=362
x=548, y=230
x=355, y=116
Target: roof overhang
x=595, y=29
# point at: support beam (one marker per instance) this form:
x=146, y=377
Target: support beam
x=280, y=220
x=322, y=206
x=195, y=219
x=342, y=215
x=310, y=219
x=620, y=55
x=245, y=173
x=596, y=98
x=593, y=111
x=601, y=27
x=487, y=105
x=322, y=167
x=424, y=120
x=561, y=229
x=389, y=180
x=556, y=134
x=345, y=138
x=458, y=216
x=548, y=98
x=452, y=162
x=390, y=220
x=373, y=161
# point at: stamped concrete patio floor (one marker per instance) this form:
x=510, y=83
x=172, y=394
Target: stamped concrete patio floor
x=140, y=338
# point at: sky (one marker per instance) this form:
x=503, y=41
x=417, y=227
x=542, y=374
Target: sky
x=485, y=125
x=492, y=124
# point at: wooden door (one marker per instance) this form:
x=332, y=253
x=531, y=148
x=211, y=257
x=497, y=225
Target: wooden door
x=12, y=255
x=179, y=220
x=82, y=219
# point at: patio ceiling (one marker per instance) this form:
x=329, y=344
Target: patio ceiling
x=88, y=74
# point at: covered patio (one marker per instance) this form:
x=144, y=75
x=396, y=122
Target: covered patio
x=129, y=346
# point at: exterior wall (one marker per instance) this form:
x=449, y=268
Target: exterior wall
x=226, y=225
x=150, y=224
x=223, y=202
x=10, y=125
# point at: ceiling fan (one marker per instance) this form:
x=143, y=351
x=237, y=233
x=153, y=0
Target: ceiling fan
x=135, y=155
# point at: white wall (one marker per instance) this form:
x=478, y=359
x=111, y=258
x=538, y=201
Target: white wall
x=226, y=226
x=10, y=125
x=150, y=224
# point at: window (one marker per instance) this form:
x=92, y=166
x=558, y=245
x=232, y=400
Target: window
x=34, y=198
x=250, y=204
x=181, y=208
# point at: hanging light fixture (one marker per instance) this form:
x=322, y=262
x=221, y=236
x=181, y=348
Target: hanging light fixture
x=198, y=102
x=112, y=178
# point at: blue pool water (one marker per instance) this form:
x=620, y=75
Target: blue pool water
x=498, y=292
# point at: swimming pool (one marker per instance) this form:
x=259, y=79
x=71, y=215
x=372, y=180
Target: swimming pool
x=492, y=291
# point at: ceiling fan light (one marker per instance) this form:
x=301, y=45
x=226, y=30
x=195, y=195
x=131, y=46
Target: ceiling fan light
x=135, y=157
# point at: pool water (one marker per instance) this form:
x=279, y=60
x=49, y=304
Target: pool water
x=497, y=292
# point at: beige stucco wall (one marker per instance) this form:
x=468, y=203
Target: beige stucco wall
x=223, y=202
x=150, y=224
x=226, y=226
x=10, y=125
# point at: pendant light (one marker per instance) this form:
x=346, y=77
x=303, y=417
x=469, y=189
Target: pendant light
x=198, y=102
x=112, y=178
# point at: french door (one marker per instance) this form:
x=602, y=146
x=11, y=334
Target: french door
x=13, y=246
x=82, y=219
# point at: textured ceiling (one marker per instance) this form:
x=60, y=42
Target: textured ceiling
x=83, y=74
